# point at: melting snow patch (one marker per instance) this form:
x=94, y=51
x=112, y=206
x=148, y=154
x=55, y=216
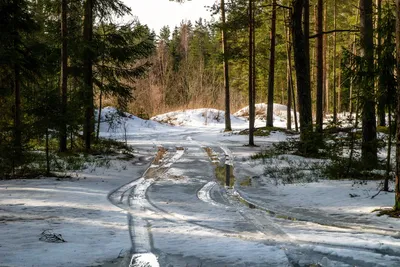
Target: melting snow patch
x=197, y=117
x=204, y=193
x=144, y=260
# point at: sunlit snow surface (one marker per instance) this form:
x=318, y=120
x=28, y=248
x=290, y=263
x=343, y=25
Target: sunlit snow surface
x=192, y=223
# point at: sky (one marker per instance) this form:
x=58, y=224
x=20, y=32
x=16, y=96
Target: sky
x=158, y=13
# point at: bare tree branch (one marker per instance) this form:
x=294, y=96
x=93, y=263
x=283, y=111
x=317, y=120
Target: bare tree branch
x=331, y=31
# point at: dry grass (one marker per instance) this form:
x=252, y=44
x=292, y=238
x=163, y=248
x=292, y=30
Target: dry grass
x=389, y=212
x=160, y=155
x=176, y=177
x=211, y=154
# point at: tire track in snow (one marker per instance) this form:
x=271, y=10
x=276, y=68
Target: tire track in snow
x=266, y=226
x=228, y=154
x=260, y=222
x=140, y=206
x=119, y=197
x=132, y=198
x=204, y=194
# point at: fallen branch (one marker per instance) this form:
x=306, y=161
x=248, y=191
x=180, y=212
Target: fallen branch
x=331, y=31
x=376, y=194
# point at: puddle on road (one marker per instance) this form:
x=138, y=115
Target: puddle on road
x=223, y=172
x=224, y=175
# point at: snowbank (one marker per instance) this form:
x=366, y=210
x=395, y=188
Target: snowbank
x=197, y=118
x=279, y=114
x=114, y=122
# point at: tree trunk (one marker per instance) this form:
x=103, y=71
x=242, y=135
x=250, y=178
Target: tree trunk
x=397, y=184
x=334, y=66
x=296, y=121
x=288, y=75
x=87, y=74
x=17, y=99
x=17, y=114
x=64, y=77
x=251, y=89
x=254, y=63
x=306, y=29
x=382, y=96
x=327, y=66
x=314, y=69
x=303, y=73
x=389, y=152
x=320, y=68
x=271, y=77
x=292, y=91
x=47, y=152
x=351, y=108
x=339, y=99
x=228, y=126
x=369, y=144
x=99, y=115
x=326, y=62
x=353, y=135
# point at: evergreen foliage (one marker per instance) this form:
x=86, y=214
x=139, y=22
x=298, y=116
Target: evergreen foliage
x=30, y=42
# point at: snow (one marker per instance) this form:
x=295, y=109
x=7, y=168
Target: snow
x=279, y=115
x=335, y=223
x=77, y=208
x=216, y=118
x=341, y=200
x=197, y=117
x=204, y=193
x=144, y=260
x=117, y=124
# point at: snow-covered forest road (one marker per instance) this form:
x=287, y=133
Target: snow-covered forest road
x=178, y=215
x=169, y=205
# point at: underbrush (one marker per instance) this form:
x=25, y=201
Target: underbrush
x=289, y=169
x=35, y=162
x=266, y=131
x=337, y=155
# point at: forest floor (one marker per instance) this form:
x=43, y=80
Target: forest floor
x=169, y=206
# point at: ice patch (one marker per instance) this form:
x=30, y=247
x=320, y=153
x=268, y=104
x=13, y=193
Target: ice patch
x=204, y=193
x=144, y=260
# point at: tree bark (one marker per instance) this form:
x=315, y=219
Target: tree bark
x=369, y=144
x=254, y=64
x=64, y=77
x=292, y=91
x=251, y=89
x=382, y=95
x=320, y=71
x=334, y=66
x=17, y=97
x=339, y=98
x=87, y=74
x=271, y=77
x=17, y=114
x=302, y=72
x=228, y=126
x=99, y=116
x=47, y=152
x=326, y=62
x=389, y=152
x=306, y=30
x=397, y=184
x=289, y=77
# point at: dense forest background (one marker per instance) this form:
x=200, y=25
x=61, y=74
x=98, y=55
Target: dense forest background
x=187, y=63
x=62, y=61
